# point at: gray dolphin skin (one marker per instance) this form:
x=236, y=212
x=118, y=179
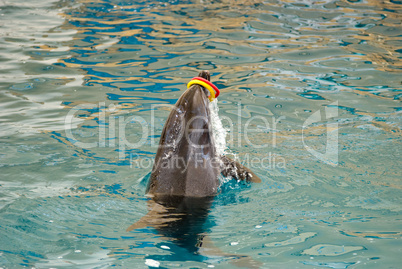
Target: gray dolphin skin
x=186, y=163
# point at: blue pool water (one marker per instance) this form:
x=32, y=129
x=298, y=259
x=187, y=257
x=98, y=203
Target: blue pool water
x=310, y=99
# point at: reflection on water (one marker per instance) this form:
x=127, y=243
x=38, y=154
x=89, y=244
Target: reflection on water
x=180, y=221
x=114, y=68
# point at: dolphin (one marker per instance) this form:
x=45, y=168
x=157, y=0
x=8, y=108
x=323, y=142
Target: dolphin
x=185, y=178
x=186, y=163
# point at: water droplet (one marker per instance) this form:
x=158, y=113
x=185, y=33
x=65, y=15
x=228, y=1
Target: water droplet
x=152, y=263
x=278, y=105
x=112, y=108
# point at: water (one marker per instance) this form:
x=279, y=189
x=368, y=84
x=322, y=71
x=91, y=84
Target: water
x=310, y=98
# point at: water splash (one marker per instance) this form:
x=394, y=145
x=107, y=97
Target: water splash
x=219, y=133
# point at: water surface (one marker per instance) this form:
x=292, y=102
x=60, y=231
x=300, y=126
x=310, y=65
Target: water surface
x=86, y=87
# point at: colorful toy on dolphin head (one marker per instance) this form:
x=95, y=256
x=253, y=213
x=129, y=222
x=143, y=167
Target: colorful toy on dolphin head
x=213, y=90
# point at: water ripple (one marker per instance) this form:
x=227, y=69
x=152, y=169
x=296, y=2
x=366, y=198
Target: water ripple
x=278, y=61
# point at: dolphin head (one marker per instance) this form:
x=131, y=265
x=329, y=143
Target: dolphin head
x=190, y=120
x=186, y=163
